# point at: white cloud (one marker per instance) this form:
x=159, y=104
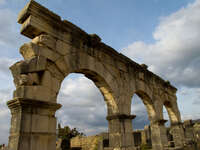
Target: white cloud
x=5, y=63
x=83, y=105
x=9, y=35
x=5, y=74
x=175, y=55
x=5, y=95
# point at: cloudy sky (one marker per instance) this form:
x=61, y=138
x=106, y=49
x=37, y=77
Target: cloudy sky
x=164, y=34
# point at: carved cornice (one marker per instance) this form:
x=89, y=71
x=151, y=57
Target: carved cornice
x=21, y=102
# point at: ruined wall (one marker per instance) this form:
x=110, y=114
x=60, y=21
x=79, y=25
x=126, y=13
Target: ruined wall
x=86, y=143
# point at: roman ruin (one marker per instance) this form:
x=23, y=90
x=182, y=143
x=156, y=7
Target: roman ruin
x=58, y=48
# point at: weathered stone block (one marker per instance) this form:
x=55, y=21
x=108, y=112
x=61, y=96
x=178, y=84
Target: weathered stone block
x=71, y=62
x=52, y=125
x=40, y=142
x=45, y=39
x=55, y=71
x=27, y=122
x=31, y=50
x=63, y=66
x=50, y=82
x=14, y=142
x=39, y=123
x=121, y=66
x=34, y=26
x=15, y=125
x=141, y=75
x=35, y=64
x=34, y=77
x=36, y=93
x=27, y=79
x=63, y=48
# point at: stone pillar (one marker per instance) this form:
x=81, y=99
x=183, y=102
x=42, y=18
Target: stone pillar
x=143, y=138
x=178, y=134
x=33, y=125
x=189, y=130
x=147, y=131
x=159, y=135
x=120, y=131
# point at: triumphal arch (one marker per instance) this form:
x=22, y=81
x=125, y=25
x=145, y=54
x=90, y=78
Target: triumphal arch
x=59, y=48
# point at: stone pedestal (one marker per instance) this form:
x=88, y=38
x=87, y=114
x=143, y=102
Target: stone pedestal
x=33, y=125
x=159, y=135
x=120, y=131
x=178, y=134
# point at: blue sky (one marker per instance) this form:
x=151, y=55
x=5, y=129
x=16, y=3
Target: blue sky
x=163, y=34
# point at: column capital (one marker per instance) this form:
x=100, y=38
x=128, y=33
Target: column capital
x=20, y=102
x=176, y=124
x=120, y=117
x=160, y=121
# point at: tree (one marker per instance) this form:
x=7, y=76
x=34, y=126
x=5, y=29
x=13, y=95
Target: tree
x=66, y=134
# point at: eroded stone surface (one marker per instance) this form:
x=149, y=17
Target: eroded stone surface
x=59, y=48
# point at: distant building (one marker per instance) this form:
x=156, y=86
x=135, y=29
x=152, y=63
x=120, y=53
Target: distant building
x=141, y=138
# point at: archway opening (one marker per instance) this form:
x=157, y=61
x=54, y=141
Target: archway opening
x=171, y=112
x=84, y=106
x=139, y=109
x=143, y=109
x=166, y=117
x=167, y=125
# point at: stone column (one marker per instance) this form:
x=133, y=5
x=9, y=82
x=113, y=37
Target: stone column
x=178, y=134
x=189, y=130
x=147, y=135
x=159, y=135
x=120, y=131
x=33, y=125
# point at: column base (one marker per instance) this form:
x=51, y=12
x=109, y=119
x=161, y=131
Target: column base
x=33, y=125
x=122, y=148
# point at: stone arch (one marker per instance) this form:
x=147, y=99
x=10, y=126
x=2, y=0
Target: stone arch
x=39, y=76
x=176, y=127
x=99, y=74
x=147, y=101
x=59, y=66
x=59, y=48
x=171, y=112
x=76, y=93
x=157, y=130
x=104, y=88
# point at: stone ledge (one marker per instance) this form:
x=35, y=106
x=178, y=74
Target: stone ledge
x=176, y=124
x=161, y=121
x=120, y=116
x=34, y=7
x=21, y=133
x=19, y=102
